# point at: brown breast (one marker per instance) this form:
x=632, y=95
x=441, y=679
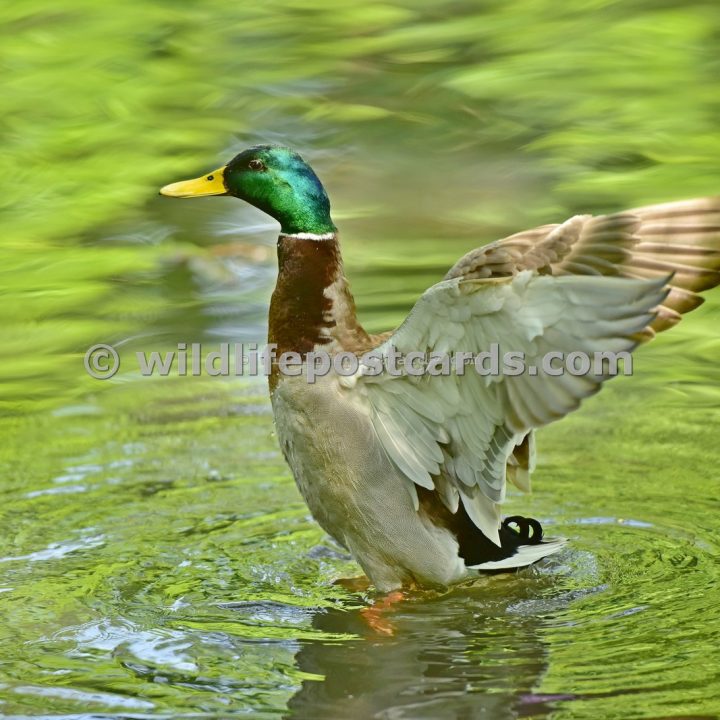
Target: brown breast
x=312, y=308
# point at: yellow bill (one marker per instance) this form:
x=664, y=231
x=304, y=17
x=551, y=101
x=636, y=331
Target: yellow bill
x=210, y=184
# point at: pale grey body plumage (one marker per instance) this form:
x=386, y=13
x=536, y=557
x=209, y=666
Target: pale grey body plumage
x=354, y=492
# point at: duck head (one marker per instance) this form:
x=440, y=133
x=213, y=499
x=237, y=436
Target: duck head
x=274, y=179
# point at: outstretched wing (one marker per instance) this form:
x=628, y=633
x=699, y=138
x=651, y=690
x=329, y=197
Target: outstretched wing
x=453, y=433
x=590, y=285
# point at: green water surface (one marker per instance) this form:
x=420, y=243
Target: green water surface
x=156, y=560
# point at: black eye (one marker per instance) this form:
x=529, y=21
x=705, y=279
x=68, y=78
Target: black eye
x=210, y=177
x=256, y=165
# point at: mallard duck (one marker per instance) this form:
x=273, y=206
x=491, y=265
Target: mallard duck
x=409, y=472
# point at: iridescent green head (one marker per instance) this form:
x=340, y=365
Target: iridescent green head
x=274, y=179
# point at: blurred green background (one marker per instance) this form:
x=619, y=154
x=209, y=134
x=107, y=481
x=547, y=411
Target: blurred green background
x=133, y=508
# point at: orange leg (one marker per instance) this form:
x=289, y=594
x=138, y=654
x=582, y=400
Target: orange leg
x=375, y=615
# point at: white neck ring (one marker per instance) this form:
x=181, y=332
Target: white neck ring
x=309, y=236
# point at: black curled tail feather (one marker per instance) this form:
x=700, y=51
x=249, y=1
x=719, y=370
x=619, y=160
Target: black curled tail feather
x=522, y=540
x=528, y=531
x=514, y=532
x=522, y=543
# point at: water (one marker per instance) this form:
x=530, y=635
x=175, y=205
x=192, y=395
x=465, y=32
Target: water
x=156, y=560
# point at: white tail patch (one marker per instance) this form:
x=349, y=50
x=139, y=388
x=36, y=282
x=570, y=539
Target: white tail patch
x=525, y=555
